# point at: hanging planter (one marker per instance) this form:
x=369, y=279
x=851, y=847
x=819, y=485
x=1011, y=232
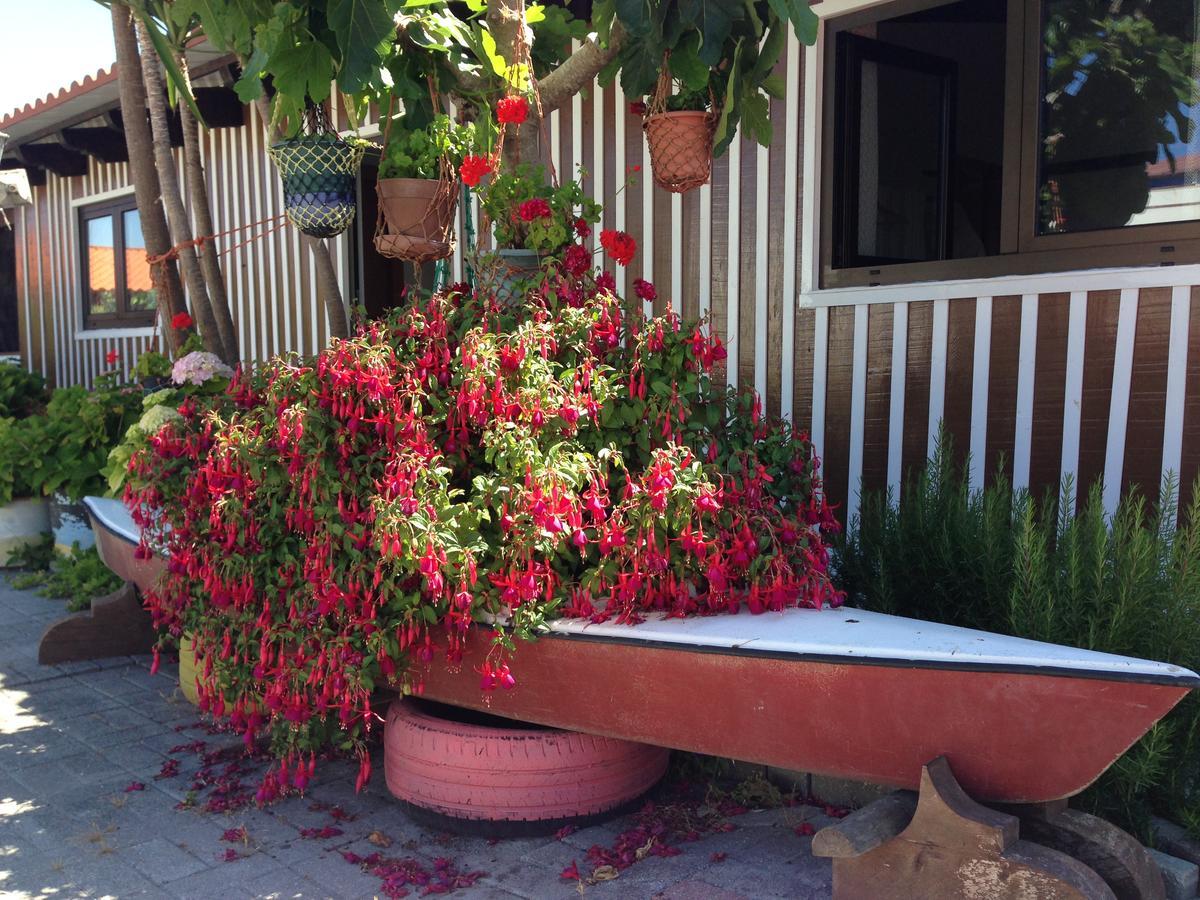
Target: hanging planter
x=680, y=140
x=418, y=190
x=319, y=170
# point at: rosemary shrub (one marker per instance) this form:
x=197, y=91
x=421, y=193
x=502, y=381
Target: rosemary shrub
x=1052, y=569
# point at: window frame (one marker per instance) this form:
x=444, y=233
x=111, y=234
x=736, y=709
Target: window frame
x=124, y=317
x=1022, y=250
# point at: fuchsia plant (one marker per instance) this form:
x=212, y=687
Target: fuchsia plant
x=461, y=462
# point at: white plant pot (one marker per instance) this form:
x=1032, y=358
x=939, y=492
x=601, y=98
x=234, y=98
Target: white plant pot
x=22, y=522
x=70, y=524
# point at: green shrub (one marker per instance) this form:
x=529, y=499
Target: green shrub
x=1002, y=561
x=22, y=457
x=81, y=428
x=78, y=576
x=22, y=393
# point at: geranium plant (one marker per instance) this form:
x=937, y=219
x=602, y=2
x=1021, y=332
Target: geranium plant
x=532, y=214
x=80, y=428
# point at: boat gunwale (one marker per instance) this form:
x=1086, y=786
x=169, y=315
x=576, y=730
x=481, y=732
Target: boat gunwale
x=1186, y=678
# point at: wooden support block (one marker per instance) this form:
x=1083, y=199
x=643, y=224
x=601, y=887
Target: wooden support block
x=952, y=849
x=116, y=625
x=866, y=828
x=1114, y=854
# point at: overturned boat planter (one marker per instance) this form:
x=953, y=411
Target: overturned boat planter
x=845, y=693
x=116, y=624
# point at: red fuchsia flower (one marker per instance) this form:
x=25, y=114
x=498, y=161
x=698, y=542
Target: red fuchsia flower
x=619, y=245
x=537, y=208
x=473, y=169
x=512, y=111
x=645, y=290
x=637, y=107
x=111, y=357
x=181, y=320
x=571, y=872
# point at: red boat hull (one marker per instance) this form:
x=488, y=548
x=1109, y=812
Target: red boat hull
x=117, y=552
x=1010, y=736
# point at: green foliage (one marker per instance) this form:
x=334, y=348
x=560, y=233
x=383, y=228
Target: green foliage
x=152, y=364
x=509, y=191
x=22, y=457
x=80, y=429
x=79, y=576
x=22, y=393
x=159, y=409
x=418, y=153
x=37, y=554
x=1003, y=561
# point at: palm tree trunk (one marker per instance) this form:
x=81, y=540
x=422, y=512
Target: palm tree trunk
x=165, y=276
x=197, y=187
x=327, y=283
x=181, y=229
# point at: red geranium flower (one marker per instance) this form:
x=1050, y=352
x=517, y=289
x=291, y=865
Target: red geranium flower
x=577, y=260
x=537, y=208
x=619, y=245
x=111, y=357
x=473, y=169
x=182, y=320
x=637, y=108
x=582, y=228
x=644, y=289
x=512, y=110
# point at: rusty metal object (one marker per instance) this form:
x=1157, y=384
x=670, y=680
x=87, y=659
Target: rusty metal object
x=954, y=849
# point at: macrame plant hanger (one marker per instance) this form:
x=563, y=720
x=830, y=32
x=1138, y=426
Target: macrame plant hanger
x=680, y=147
x=319, y=169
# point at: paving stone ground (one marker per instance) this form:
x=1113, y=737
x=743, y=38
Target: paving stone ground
x=74, y=737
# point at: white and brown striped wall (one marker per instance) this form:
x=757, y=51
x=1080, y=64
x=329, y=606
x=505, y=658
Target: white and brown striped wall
x=1078, y=374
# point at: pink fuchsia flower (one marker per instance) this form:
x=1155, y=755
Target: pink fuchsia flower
x=198, y=367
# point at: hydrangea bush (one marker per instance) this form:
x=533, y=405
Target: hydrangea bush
x=463, y=462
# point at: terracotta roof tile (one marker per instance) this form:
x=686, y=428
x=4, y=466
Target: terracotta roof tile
x=74, y=89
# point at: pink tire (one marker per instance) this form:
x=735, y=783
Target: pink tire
x=479, y=774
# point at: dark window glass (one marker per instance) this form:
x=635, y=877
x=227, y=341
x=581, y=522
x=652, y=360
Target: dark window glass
x=1119, y=104
x=920, y=135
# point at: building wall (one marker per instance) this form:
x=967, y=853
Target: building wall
x=1085, y=376
x=272, y=289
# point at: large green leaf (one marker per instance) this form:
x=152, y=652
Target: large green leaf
x=756, y=118
x=724, y=132
x=799, y=13
x=639, y=69
x=686, y=65
x=712, y=18
x=249, y=87
x=363, y=30
x=303, y=70
x=636, y=15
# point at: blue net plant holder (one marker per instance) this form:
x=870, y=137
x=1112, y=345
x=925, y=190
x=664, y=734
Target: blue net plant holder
x=320, y=173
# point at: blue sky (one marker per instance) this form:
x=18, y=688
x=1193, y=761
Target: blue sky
x=48, y=44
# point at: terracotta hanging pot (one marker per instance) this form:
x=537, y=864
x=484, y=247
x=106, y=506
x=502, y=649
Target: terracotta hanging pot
x=680, y=149
x=419, y=215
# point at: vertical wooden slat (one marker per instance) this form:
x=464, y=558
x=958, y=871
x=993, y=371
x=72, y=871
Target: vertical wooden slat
x=1097, y=386
x=733, y=262
x=898, y=369
x=980, y=376
x=877, y=403
x=791, y=147
x=914, y=450
x=800, y=363
x=838, y=404
x=937, y=373
x=1049, y=392
x=858, y=402
x=1172, y=455
x=1189, y=467
x=1004, y=368
x=1026, y=369
x=1147, y=390
x=958, y=388
x=1072, y=411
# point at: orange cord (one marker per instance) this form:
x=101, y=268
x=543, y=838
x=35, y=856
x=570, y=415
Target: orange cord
x=279, y=221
